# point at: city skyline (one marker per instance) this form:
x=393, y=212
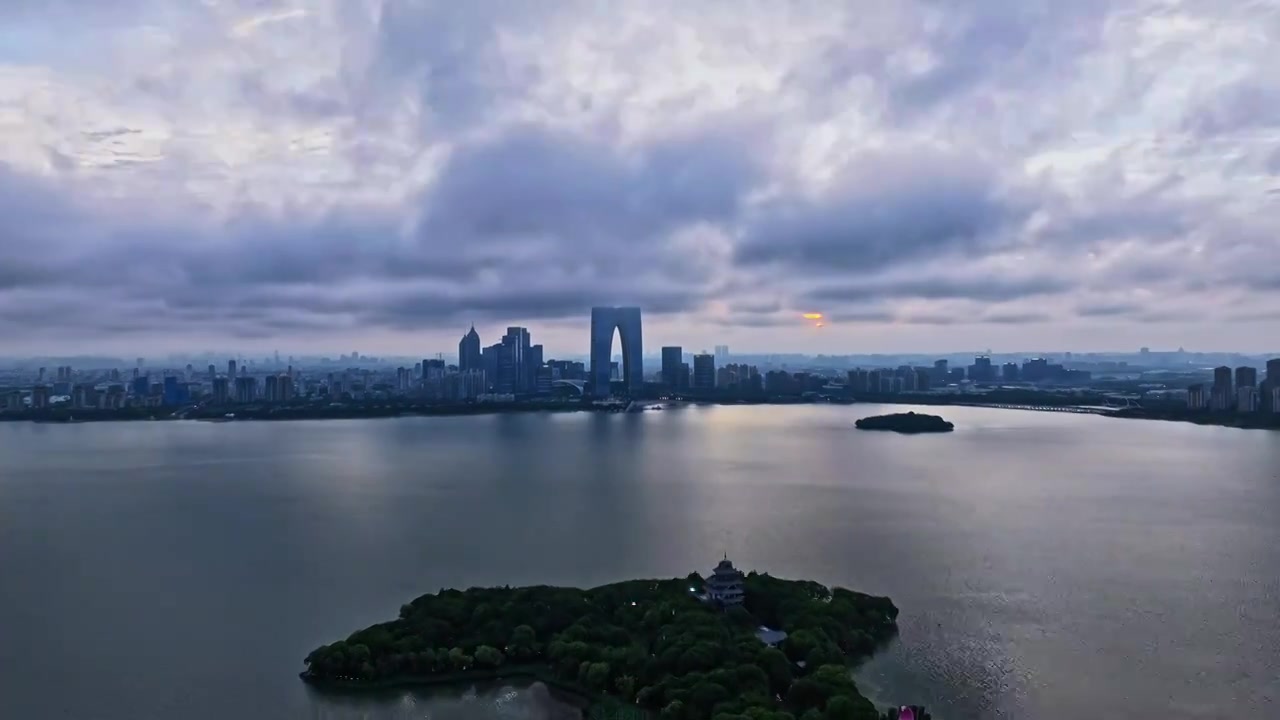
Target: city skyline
x=323, y=173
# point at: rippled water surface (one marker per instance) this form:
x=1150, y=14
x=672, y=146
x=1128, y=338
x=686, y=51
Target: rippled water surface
x=1047, y=566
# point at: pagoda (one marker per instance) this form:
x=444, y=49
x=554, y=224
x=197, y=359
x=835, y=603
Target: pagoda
x=725, y=586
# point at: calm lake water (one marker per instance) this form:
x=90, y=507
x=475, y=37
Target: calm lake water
x=1047, y=566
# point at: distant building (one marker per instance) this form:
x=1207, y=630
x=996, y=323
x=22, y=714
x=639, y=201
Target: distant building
x=1197, y=398
x=981, y=370
x=1010, y=372
x=1274, y=398
x=726, y=586
x=857, y=380
x=271, y=387
x=1223, y=395
x=704, y=372
x=246, y=389
x=221, y=391
x=939, y=374
x=231, y=370
x=1246, y=376
x=40, y=397
x=672, y=359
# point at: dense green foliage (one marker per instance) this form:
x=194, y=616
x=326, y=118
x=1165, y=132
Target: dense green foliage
x=908, y=422
x=647, y=642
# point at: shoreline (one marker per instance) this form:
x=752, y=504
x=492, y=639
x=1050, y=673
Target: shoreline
x=1259, y=421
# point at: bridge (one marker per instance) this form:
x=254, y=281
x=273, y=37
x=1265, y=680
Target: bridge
x=1077, y=409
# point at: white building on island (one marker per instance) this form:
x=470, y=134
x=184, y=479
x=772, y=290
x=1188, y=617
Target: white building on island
x=726, y=584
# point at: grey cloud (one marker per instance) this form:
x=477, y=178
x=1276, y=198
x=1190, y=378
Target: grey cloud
x=1017, y=318
x=889, y=209
x=1107, y=309
x=989, y=289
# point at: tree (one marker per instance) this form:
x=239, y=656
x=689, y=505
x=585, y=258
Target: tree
x=841, y=707
x=598, y=676
x=626, y=686
x=459, y=660
x=778, y=668
x=523, y=641
x=673, y=711
x=489, y=657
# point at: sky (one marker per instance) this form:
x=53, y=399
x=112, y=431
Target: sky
x=328, y=175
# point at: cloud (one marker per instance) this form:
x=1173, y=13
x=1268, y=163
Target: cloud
x=318, y=171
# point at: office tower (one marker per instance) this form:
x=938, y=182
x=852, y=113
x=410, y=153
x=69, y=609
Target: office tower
x=1273, y=372
x=923, y=379
x=1223, y=392
x=231, y=370
x=704, y=372
x=213, y=372
x=284, y=388
x=672, y=359
x=626, y=321
x=722, y=355
x=469, y=353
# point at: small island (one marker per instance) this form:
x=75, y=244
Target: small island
x=908, y=422
x=733, y=647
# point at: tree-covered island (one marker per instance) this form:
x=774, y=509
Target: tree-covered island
x=659, y=646
x=908, y=422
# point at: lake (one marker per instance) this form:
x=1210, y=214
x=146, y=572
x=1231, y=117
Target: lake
x=1048, y=566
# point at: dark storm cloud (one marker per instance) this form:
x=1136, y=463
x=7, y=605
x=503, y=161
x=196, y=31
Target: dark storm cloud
x=888, y=209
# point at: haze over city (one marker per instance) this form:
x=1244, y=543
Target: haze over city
x=313, y=176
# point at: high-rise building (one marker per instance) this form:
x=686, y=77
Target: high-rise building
x=672, y=359
x=271, y=388
x=1246, y=376
x=1010, y=371
x=246, y=389
x=489, y=359
x=1223, y=397
x=722, y=355
x=626, y=321
x=231, y=370
x=513, y=361
x=40, y=397
x=981, y=369
x=533, y=364
x=857, y=380
x=221, y=391
x=1273, y=371
x=213, y=372
x=939, y=374
x=469, y=353
x=174, y=391
x=1273, y=395
x=1270, y=384
x=704, y=372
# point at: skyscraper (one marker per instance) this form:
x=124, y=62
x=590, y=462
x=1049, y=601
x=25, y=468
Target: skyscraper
x=722, y=355
x=626, y=321
x=671, y=366
x=231, y=370
x=469, y=353
x=704, y=372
